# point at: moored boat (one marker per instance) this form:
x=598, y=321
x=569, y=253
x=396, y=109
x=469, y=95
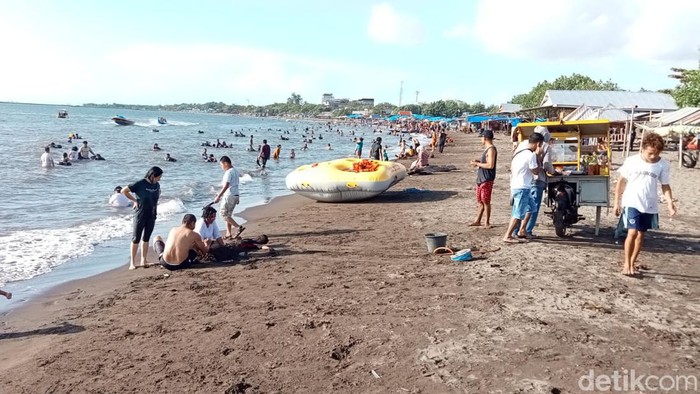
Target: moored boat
x=122, y=121
x=345, y=180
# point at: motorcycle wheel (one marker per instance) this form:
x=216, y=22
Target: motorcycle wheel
x=688, y=160
x=559, y=223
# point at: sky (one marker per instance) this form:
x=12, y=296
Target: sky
x=259, y=52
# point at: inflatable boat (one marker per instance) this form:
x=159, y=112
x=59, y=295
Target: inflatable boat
x=345, y=180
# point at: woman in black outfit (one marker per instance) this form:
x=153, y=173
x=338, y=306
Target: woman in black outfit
x=147, y=192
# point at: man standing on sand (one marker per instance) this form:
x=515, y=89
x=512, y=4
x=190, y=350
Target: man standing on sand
x=635, y=193
x=180, y=250
x=523, y=168
x=485, y=175
x=228, y=195
x=544, y=161
x=264, y=155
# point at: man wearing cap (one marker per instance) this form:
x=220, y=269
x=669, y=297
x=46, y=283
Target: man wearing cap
x=544, y=162
x=485, y=175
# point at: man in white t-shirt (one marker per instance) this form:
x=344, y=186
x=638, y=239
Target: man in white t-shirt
x=208, y=229
x=118, y=200
x=228, y=195
x=636, y=193
x=523, y=169
x=46, y=159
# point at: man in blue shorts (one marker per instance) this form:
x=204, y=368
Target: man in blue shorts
x=636, y=191
x=523, y=169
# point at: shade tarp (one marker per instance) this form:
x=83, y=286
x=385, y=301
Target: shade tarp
x=674, y=130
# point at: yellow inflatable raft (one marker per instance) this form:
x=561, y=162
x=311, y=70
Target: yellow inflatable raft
x=345, y=179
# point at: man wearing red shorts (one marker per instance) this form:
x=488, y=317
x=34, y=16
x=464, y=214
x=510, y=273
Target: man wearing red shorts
x=485, y=175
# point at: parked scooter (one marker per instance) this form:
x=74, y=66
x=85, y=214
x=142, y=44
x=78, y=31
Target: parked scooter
x=562, y=199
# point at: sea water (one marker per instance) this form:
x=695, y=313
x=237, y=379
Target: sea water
x=55, y=223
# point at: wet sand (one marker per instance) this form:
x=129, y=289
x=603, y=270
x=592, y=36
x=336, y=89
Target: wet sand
x=353, y=302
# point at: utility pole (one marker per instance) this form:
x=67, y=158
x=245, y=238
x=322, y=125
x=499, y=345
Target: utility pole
x=417, y=93
x=401, y=94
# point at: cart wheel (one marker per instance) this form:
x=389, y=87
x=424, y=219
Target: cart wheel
x=559, y=225
x=688, y=160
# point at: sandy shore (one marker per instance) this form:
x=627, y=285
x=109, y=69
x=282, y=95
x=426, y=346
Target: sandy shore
x=354, y=303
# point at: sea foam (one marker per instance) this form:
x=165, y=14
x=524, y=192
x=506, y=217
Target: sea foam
x=26, y=254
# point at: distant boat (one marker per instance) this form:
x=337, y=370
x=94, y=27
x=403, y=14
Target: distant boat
x=63, y=114
x=162, y=120
x=122, y=121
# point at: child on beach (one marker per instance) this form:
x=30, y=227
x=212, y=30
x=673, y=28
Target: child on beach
x=636, y=194
x=485, y=176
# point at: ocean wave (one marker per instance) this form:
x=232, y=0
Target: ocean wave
x=26, y=254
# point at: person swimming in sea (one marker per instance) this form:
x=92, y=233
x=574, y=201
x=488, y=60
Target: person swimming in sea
x=169, y=158
x=65, y=161
x=156, y=147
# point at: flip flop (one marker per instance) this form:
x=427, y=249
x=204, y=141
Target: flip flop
x=240, y=230
x=511, y=241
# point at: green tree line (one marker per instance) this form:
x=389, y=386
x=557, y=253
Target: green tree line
x=686, y=93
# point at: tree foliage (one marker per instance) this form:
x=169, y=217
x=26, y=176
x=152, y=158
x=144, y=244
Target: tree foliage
x=564, y=82
x=687, y=94
x=295, y=99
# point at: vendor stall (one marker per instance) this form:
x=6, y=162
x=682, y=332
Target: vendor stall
x=580, y=152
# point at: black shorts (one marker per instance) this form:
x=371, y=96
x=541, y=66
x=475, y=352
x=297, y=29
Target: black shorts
x=263, y=161
x=143, y=228
x=191, y=259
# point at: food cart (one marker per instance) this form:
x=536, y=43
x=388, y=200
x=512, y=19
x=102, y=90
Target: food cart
x=580, y=152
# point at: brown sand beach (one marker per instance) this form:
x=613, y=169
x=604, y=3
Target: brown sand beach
x=353, y=302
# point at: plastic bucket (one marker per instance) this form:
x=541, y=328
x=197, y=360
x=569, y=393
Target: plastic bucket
x=435, y=240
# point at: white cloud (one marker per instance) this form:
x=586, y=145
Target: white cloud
x=590, y=30
x=388, y=26
x=155, y=73
x=460, y=30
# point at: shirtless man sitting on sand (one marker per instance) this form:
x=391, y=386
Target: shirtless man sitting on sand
x=180, y=250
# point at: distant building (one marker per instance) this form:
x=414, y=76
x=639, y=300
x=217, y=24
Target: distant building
x=558, y=104
x=366, y=102
x=327, y=98
x=337, y=103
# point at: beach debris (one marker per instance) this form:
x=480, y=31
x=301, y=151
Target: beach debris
x=342, y=351
x=375, y=374
x=593, y=306
x=236, y=335
x=238, y=388
x=166, y=276
x=659, y=279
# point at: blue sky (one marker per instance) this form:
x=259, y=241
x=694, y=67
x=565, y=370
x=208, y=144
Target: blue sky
x=165, y=52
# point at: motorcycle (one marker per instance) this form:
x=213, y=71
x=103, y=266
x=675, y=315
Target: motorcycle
x=562, y=199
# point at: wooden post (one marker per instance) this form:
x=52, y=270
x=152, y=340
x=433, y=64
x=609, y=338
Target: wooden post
x=680, y=148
